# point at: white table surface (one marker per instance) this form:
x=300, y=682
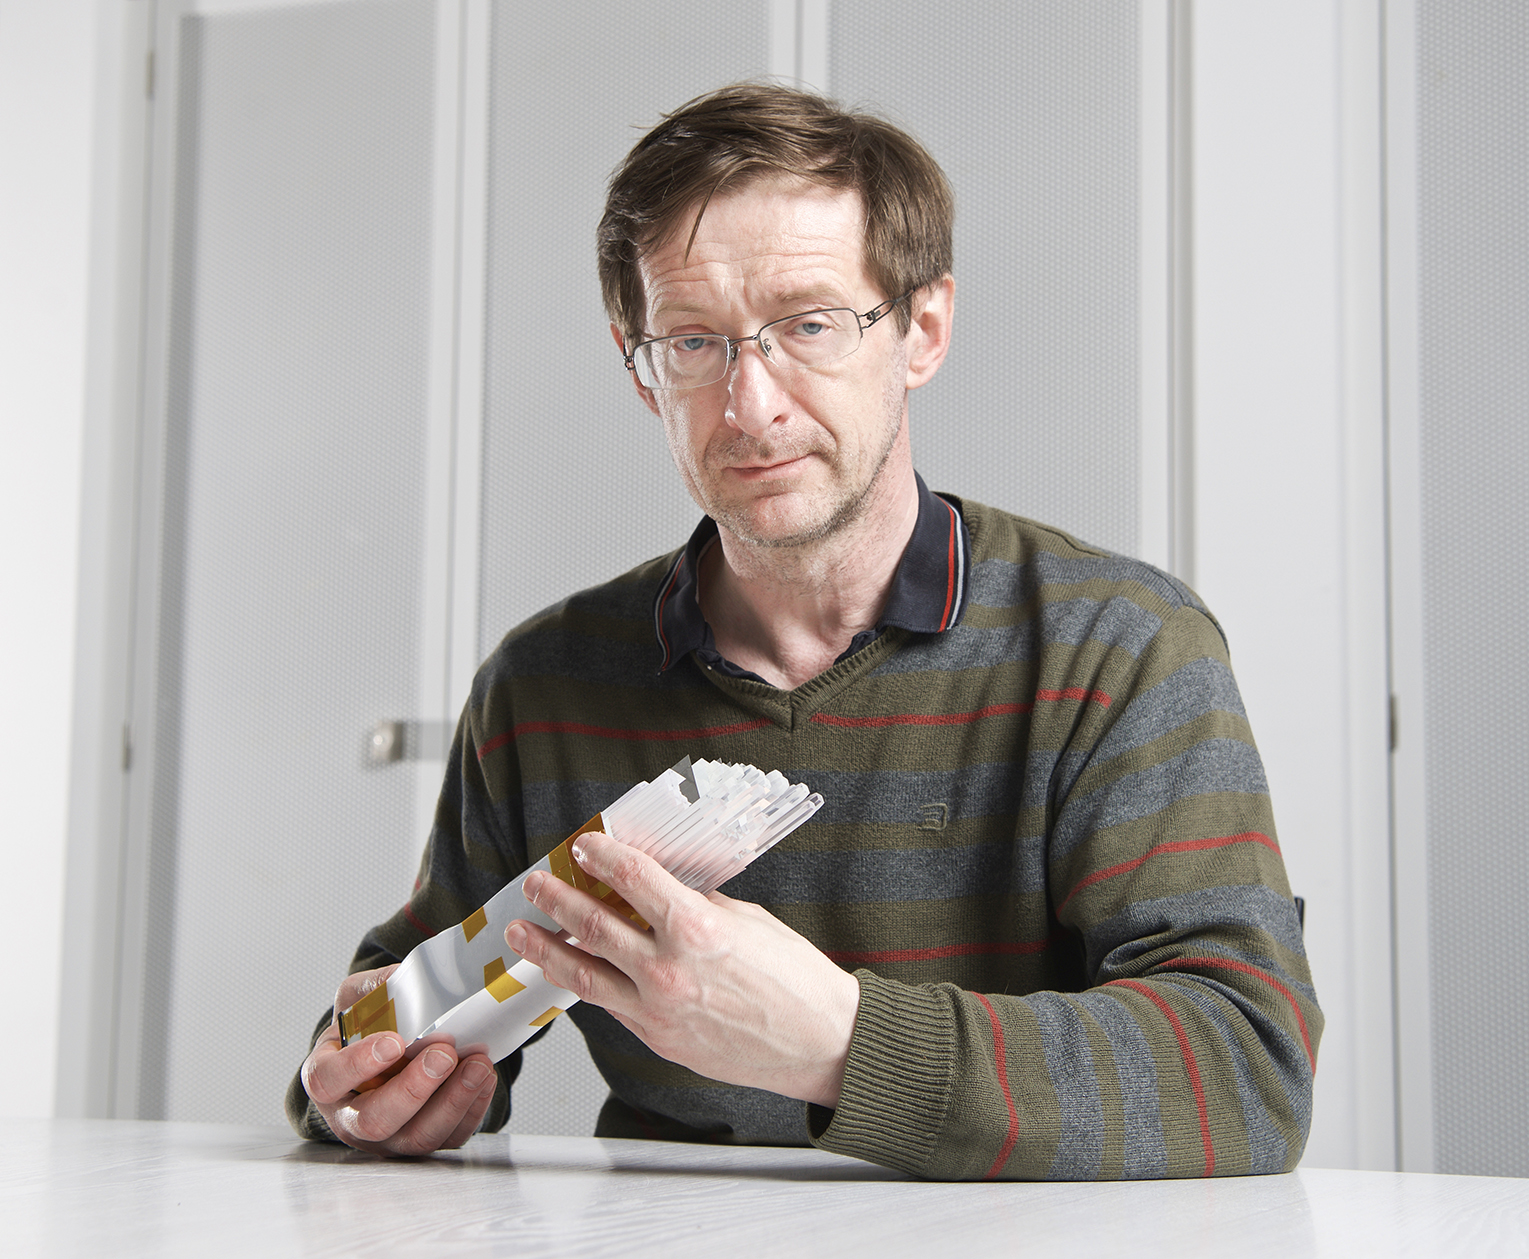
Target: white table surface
x=114, y=1187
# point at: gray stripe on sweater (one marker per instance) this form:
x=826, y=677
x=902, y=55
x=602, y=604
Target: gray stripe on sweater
x=999, y=583
x=1116, y=622
x=1214, y=766
x=890, y=875
x=1070, y=1063
x=1112, y=944
x=1145, y=1154
x=1266, y=1147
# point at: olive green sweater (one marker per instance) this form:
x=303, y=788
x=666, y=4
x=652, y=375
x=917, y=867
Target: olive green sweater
x=1047, y=853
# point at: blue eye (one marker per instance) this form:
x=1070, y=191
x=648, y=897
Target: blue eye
x=690, y=345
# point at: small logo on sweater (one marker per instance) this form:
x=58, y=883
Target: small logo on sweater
x=932, y=817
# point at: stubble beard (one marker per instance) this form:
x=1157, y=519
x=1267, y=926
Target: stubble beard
x=850, y=508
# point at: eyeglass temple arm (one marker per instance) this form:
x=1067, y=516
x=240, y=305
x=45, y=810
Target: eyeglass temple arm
x=877, y=313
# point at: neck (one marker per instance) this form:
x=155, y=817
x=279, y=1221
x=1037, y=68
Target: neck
x=787, y=613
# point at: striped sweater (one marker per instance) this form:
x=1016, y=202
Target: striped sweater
x=1047, y=853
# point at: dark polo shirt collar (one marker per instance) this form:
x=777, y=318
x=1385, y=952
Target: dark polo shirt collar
x=928, y=595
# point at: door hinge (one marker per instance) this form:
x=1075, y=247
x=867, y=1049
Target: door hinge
x=148, y=75
x=127, y=747
x=1395, y=724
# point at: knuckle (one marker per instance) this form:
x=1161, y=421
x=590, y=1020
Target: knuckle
x=369, y=1125
x=673, y=981
x=582, y=981
x=596, y=932
x=697, y=931
x=626, y=867
x=417, y=1087
x=409, y=1144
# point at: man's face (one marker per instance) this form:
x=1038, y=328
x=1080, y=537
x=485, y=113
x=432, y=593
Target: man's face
x=778, y=457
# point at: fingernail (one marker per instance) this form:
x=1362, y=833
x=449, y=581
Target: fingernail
x=515, y=937
x=533, y=885
x=475, y=1075
x=438, y=1063
x=577, y=851
x=385, y=1049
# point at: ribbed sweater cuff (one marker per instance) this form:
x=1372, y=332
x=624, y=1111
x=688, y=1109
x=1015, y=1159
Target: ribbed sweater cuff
x=897, y=1080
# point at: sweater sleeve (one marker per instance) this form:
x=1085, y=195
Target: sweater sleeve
x=1190, y=1049
x=466, y=860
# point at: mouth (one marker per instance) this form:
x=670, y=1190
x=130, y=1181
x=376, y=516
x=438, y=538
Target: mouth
x=769, y=471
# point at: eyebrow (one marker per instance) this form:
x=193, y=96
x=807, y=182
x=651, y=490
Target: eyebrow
x=815, y=299
x=797, y=300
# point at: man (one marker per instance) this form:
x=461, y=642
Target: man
x=1041, y=926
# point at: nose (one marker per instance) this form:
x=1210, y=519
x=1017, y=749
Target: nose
x=755, y=399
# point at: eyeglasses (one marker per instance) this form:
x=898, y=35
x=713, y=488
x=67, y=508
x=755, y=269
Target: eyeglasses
x=811, y=340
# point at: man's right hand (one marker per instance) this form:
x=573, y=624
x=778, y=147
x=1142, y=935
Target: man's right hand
x=434, y=1103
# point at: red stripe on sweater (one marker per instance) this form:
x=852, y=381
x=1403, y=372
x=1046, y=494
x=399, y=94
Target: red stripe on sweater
x=958, y=719
x=1008, y=947
x=1164, y=849
x=1190, y=1067
x=415, y=921
x=1077, y=693
x=611, y=732
x=1003, y=1083
x=920, y=719
x=1227, y=963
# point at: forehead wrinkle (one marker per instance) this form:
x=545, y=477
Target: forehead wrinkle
x=757, y=250
x=760, y=280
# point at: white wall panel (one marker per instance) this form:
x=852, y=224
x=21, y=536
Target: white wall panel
x=1287, y=537
x=1033, y=111
x=1472, y=382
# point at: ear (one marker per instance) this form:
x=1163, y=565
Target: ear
x=929, y=330
x=642, y=392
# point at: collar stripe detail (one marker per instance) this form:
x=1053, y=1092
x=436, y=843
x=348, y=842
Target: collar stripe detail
x=952, y=561
x=612, y=732
x=665, y=589
x=1167, y=849
x=959, y=719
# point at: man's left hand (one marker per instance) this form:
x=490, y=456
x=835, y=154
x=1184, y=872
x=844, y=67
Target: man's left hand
x=720, y=986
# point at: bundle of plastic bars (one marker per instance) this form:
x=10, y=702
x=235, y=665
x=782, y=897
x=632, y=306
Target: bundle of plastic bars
x=702, y=822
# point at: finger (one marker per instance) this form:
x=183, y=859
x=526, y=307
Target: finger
x=606, y=931
x=332, y=1072
x=472, y=1120
x=452, y=1112
x=640, y=881
x=378, y=1117
x=577, y=968
x=353, y=987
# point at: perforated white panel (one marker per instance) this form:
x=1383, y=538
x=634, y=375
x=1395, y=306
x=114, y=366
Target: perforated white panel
x=1473, y=251
x=1031, y=108
x=577, y=482
x=291, y=534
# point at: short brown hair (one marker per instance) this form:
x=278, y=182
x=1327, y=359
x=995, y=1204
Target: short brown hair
x=735, y=135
